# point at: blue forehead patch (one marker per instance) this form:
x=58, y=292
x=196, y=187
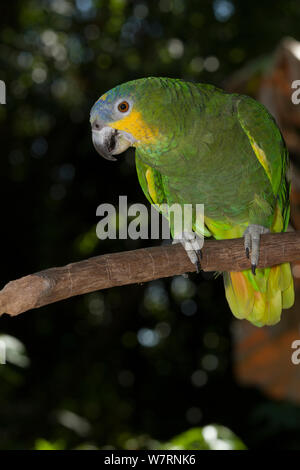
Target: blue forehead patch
x=103, y=106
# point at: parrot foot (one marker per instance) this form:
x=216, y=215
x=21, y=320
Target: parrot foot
x=252, y=242
x=190, y=243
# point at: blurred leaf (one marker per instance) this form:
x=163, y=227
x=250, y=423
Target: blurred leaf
x=15, y=352
x=43, y=444
x=212, y=437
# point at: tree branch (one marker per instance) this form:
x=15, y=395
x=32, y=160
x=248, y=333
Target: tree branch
x=129, y=267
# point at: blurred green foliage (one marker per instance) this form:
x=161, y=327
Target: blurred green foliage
x=147, y=360
x=212, y=437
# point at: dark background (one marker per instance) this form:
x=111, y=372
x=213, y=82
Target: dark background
x=129, y=365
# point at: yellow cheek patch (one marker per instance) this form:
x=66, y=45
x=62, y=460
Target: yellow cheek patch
x=135, y=125
x=151, y=185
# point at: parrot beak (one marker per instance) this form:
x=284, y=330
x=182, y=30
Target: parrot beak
x=109, y=141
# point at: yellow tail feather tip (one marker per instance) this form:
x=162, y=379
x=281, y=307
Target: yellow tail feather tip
x=260, y=302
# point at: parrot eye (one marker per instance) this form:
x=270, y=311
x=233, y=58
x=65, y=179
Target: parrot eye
x=123, y=107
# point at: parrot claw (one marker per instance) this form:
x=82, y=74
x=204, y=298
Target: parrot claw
x=252, y=241
x=190, y=243
x=198, y=266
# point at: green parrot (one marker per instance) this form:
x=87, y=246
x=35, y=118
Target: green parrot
x=196, y=144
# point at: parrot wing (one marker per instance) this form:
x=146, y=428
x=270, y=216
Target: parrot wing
x=269, y=148
x=261, y=298
x=151, y=183
x=156, y=191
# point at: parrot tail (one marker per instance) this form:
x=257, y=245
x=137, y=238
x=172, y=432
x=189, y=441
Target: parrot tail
x=260, y=298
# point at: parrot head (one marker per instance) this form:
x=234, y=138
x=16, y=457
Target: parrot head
x=110, y=117
x=135, y=114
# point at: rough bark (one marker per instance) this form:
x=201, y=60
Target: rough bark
x=129, y=267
